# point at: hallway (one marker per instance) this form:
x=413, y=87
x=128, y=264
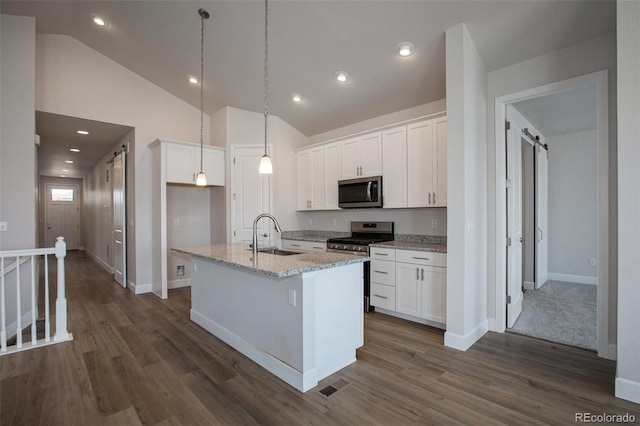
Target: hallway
x=140, y=360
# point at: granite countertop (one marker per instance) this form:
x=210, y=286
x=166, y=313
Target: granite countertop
x=240, y=255
x=418, y=246
x=312, y=238
x=315, y=236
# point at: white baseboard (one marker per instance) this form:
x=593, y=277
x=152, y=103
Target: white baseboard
x=100, y=262
x=579, y=279
x=295, y=378
x=462, y=343
x=139, y=288
x=627, y=389
x=529, y=285
x=178, y=283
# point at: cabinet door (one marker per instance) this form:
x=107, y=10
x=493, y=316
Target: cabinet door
x=408, y=289
x=331, y=175
x=370, y=154
x=349, y=162
x=302, y=166
x=434, y=294
x=419, y=164
x=316, y=177
x=440, y=162
x=213, y=165
x=181, y=164
x=394, y=167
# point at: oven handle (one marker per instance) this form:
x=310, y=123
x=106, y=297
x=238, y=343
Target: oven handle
x=354, y=253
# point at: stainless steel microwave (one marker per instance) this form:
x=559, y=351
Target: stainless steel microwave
x=360, y=192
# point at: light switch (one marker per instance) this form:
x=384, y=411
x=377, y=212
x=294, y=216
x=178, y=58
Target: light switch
x=4, y=226
x=292, y=297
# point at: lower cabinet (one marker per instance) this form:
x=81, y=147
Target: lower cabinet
x=412, y=283
x=304, y=246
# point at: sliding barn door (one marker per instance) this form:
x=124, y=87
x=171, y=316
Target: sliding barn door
x=119, y=219
x=542, y=216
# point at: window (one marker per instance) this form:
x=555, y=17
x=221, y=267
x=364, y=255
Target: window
x=62, y=194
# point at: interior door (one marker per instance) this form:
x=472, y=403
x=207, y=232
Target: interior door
x=62, y=215
x=514, y=219
x=119, y=219
x=251, y=195
x=542, y=215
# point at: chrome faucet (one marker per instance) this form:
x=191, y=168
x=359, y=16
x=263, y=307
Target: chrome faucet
x=255, y=229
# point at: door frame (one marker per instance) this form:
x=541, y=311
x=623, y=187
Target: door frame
x=47, y=188
x=600, y=80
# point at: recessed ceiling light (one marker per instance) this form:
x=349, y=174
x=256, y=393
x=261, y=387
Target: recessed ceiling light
x=68, y=161
x=297, y=97
x=83, y=132
x=74, y=150
x=63, y=175
x=65, y=170
x=342, y=76
x=99, y=20
x=192, y=79
x=405, y=49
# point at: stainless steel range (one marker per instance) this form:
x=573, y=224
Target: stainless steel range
x=362, y=235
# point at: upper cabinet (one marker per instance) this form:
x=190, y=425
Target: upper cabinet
x=310, y=169
x=414, y=166
x=183, y=163
x=361, y=156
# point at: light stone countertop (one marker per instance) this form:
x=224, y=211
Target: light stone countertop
x=240, y=255
x=311, y=238
x=418, y=246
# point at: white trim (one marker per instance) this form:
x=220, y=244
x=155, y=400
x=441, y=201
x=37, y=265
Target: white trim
x=612, y=353
x=140, y=288
x=179, y=283
x=462, y=343
x=626, y=389
x=529, y=285
x=100, y=262
x=411, y=318
x=295, y=378
x=39, y=343
x=598, y=78
x=578, y=279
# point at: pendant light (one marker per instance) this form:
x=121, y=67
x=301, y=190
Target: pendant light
x=201, y=180
x=265, y=162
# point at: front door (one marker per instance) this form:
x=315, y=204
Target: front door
x=62, y=215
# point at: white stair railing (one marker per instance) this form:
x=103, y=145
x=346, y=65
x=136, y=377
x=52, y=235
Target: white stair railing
x=19, y=278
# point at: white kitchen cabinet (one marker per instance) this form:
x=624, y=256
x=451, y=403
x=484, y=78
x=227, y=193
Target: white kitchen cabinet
x=382, y=273
x=427, y=163
x=183, y=163
x=421, y=281
x=303, y=246
x=361, y=156
x=310, y=171
x=394, y=167
x=331, y=175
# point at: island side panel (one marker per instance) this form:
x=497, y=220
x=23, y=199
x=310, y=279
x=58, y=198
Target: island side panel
x=339, y=293
x=253, y=307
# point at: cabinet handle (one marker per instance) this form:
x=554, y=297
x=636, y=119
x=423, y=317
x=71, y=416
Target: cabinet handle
x=381, y=272
x=381, y=254
x=381, y=297
x=295, y=245
x=422, y=274
x=320, y=248
x=434, y=198
x=417, y=273
x=429, y=198
x=421, y=258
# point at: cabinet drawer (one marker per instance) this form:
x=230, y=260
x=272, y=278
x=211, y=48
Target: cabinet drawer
x=383, y=296
x=316, y=246
x=382, y=253
x=383, y=272
x=294, y=245
x=425, y=258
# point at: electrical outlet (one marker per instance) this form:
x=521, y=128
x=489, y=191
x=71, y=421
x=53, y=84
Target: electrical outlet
x=180, y=270
x=292, y=297
x=592, y=261
x=4, y=226
x=434, y=223
x=335, y=222
x=310, y=221
x=176, y=222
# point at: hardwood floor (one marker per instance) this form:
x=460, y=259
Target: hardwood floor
x=140, y=360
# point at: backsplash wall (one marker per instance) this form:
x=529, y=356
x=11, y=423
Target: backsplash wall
x=407, y=221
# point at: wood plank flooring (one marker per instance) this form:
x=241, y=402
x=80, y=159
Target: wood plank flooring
x=140, y=360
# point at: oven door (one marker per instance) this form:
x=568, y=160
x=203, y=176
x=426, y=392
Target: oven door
x=360, y=193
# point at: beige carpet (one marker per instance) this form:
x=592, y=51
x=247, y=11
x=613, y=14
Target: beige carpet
x=560, y=312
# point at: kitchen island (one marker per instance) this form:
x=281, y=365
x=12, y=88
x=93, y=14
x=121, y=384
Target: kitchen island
x=298, y=316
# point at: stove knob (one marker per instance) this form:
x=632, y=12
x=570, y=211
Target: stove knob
x=360, y=248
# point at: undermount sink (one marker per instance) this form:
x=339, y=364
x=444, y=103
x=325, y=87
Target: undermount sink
x=276, y=251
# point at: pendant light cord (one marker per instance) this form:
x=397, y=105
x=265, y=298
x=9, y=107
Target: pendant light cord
x=266, y=70
x=203, y=15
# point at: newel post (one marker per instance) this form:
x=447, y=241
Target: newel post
x=61, y=301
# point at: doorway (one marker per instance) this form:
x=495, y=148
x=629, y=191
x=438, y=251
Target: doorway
x=597, y=83
x=62, y=215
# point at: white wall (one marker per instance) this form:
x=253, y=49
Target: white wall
x=466, y=192
x=75, y=80
x=628, y=375
x=572, y=206
x=18, y=186
x=580, y=59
